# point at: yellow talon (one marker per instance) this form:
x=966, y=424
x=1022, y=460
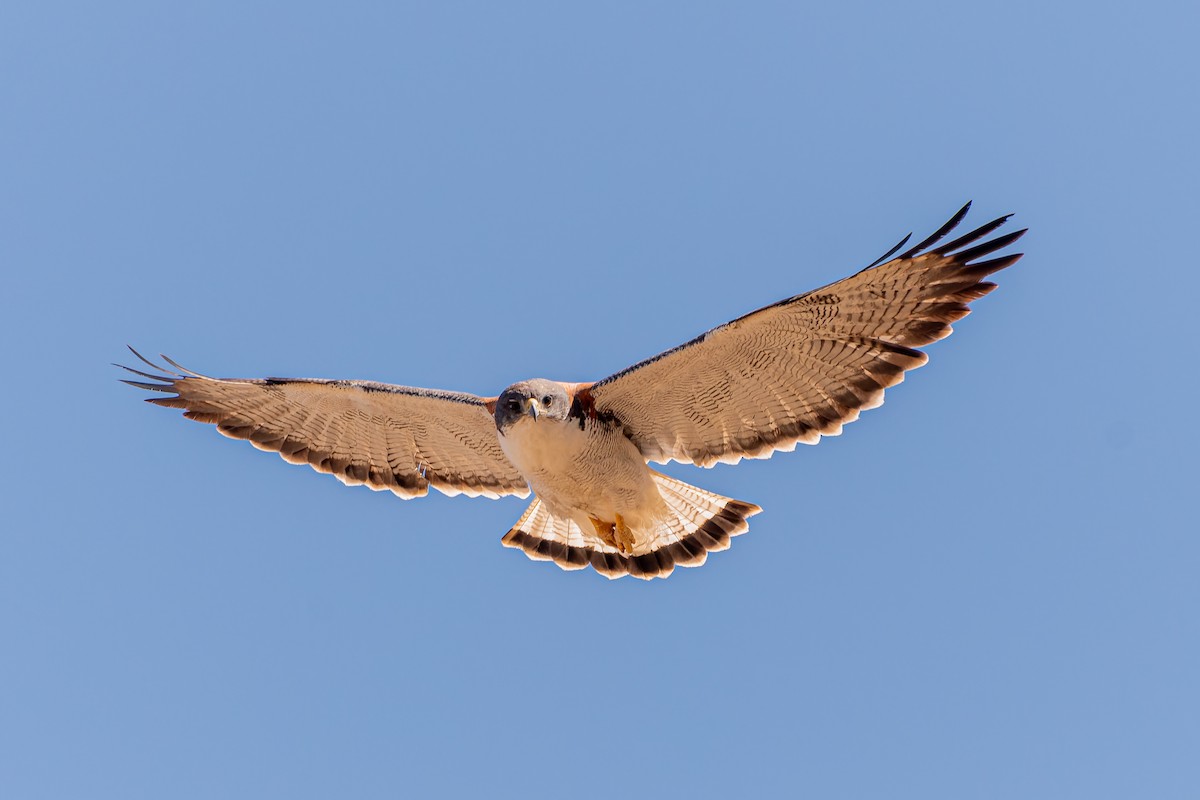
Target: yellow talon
x=605, y=531
x=615, y=534
x=624, y=536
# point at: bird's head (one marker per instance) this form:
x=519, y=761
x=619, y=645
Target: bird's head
x=535, y=400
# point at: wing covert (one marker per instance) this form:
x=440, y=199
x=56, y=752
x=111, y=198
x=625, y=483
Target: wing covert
x=801, y=368
x=386, y=437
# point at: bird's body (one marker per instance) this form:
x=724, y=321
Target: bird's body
x=583, y=469
x=596, y=495
x=788, y=373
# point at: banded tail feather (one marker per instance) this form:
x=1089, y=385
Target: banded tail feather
x=698, y=522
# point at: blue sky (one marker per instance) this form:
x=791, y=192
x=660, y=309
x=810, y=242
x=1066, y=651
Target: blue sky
x=986, y=588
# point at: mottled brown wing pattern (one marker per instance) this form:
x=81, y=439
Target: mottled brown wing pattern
x=395, y=438
x=802, y=368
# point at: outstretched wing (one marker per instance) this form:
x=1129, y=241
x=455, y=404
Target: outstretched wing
x=803, y=367
x=396, y=438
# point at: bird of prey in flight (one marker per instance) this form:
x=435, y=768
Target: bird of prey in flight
x=791, y=372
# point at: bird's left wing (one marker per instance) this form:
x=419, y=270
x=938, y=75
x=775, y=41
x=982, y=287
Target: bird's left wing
x=395, y=438
x=801, y=368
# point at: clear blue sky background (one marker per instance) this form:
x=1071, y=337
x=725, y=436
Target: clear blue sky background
x=985, y=589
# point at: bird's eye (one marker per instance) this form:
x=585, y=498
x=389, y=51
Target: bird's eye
x=546, y=400
x=513, y=405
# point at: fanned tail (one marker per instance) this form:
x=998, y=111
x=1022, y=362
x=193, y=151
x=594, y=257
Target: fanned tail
x=698, y=522
x=545, y=537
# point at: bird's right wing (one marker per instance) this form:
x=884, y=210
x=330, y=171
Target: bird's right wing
x=802, y=368
x=396, y=438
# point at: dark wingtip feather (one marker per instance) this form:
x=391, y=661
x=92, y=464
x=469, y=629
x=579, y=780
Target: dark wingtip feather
x=149, y=375
x=978, y=233
x=983, y=268
x=937, y=235
x=151, y=387
x=180, y=367
x=164, y=383
x=889, y=253
x=990, y=246
x=146, y=361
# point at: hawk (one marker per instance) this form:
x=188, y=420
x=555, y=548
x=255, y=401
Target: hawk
x=791, y=372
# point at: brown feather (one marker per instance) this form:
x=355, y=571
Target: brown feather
x=801, y=368
x=394, y=438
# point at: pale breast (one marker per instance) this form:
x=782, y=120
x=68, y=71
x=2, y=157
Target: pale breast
x=592, y=469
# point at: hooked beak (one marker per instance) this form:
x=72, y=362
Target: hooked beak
x=531, y=407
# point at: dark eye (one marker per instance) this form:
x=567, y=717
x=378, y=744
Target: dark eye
x=546, y=400
x=513, y=405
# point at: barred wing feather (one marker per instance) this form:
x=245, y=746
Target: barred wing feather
x=396, y=438
x=802, y=368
